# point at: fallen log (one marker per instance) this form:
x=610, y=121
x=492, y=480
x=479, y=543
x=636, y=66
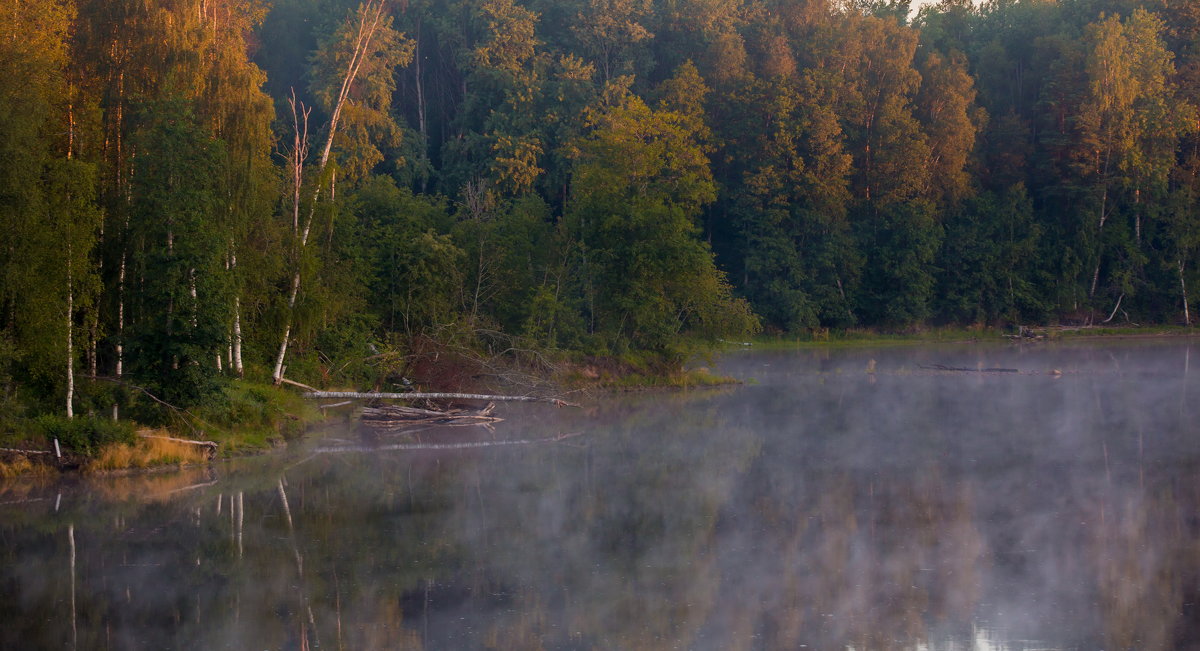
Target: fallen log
x=207, y=444
x=19, y=451
x=357, y=395
x=211, y=445
x=284, y=380
x=959, y=369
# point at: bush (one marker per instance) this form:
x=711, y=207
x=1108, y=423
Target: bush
x=85, y=435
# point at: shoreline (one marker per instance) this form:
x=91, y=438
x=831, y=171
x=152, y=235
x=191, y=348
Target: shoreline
x=149, y=454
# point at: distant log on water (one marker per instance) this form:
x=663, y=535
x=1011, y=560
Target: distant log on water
x=959, y=369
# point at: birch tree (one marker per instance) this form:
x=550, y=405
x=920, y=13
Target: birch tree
x=354, y=80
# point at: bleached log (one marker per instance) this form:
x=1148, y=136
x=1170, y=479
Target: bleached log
x=296, y=384
x=207, y=444
x=18, y=451
x=356, y=395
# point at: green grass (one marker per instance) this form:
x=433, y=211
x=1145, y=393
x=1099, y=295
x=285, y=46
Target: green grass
x=634, y=371
x=85, y=435
x=691, y=378
x=865, y=338
x=253, y=416
x=859, y=337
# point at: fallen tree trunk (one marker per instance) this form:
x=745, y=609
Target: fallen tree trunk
x=207, y=444
x=355, y=395
x=19, y=451
x=211, y=445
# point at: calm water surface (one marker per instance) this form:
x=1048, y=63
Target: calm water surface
x=818, y=506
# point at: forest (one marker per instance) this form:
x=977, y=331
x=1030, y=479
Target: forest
x=198, y=190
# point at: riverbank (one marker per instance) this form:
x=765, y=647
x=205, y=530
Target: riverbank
x=247, y=417
x=253, y=417
x=949, y=335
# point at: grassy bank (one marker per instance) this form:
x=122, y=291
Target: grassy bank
x=246, y=417
x=867, y=337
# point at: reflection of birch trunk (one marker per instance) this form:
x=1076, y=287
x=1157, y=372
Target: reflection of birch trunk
x=287, y=512
x=370, y=16
x=1187, y=317
x=241, y=518
x=74, y=626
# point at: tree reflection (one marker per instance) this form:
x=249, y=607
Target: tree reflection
x=726, y=520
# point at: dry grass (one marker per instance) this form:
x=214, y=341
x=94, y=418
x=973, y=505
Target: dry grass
x=19, y=466
x=148, y=452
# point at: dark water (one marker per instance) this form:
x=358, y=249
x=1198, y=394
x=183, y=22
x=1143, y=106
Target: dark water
x=818, y=506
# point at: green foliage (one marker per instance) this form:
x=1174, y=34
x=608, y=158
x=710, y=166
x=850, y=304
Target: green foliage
x=84, y=435
x=248, y=415
x=641, y=179
x=601, y=176
x=179, y=249
x=988, y=264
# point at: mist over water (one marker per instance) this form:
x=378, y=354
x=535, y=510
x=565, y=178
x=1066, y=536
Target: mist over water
x=817, y=506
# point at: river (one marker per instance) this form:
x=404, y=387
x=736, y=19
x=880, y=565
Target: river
x=838, y=499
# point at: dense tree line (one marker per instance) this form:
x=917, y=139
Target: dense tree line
x=193, y=188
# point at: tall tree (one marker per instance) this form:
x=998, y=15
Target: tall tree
x=178, y=251
x=640, y=181
x=357, y=76
x=1131, y=121
x=47, y=196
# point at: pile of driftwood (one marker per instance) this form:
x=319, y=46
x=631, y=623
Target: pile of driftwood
x=396, y=417
x=390, y=416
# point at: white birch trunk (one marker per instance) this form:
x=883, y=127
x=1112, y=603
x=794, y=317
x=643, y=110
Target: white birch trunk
x=120, y=318
x=369, y=19
x=237, y=337
x=74, y=614
x=70, y=338
x=1187, y=317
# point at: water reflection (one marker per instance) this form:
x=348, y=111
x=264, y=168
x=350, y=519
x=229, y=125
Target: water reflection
x=819, y=507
